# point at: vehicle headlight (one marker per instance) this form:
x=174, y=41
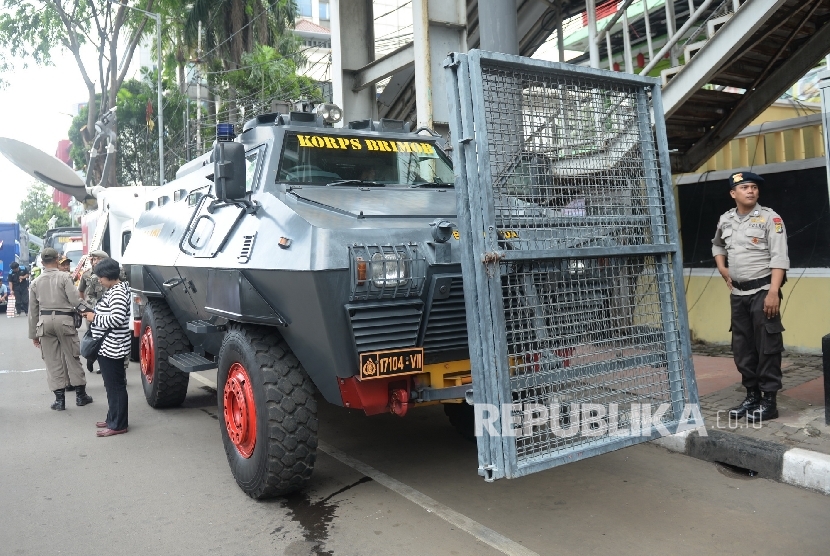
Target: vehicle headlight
x=389, y=270
x=576, y=267
x=386, y=271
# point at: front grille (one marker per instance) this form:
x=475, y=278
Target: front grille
x=446, y=326
x=378, y=328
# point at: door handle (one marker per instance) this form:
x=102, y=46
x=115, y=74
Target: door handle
x=172, y=283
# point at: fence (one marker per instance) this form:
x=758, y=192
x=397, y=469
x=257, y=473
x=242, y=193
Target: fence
x=573, y=279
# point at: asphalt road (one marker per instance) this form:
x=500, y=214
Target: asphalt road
x=165, y=488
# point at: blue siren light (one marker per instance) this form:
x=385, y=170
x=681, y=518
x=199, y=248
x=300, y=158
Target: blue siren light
x=224, y=132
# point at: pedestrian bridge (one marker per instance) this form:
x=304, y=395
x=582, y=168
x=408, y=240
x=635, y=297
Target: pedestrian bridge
x=722, y=62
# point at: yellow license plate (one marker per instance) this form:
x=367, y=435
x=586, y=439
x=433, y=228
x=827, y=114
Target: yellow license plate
x=380, y=364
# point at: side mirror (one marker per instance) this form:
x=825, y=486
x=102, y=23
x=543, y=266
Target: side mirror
x=229, y=170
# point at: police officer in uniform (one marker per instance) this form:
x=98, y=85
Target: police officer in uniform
x=89, y=286
x=753, y=239
x=53, y=299
x=19, y=282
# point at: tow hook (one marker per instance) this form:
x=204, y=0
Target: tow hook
x=399, y=401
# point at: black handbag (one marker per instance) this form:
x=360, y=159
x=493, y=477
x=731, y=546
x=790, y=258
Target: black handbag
x=90, y=346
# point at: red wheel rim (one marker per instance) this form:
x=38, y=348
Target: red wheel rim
x=147, y=354
x=240, y=410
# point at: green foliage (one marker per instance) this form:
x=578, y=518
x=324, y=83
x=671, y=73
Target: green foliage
x=37, y=208
x=267, y=74
x=32, y=30
x=137, y=141
x=78, y=153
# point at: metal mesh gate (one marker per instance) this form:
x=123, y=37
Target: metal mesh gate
x=577, y=322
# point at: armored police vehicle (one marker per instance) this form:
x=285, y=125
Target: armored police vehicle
x=300, y=258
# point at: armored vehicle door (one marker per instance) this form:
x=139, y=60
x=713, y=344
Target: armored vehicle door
x=576, y=313
x=210, y=227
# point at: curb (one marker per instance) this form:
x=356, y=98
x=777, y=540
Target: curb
x=794, y=466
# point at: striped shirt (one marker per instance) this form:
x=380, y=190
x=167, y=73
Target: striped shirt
x=113, y=313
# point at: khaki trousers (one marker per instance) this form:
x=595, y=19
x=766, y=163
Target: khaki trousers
x=61, y=351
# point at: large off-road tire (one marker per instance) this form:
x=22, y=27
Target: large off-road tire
x=162, y=336
x=267, y=412
x=462, y=418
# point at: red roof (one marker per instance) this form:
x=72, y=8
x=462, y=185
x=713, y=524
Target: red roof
x=310, y=27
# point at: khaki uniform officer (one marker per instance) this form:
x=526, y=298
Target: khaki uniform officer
x=53, y=299
x=753, y=239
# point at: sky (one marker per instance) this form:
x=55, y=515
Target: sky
x=37, y=108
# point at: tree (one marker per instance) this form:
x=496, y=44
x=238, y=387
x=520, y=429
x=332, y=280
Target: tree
x=232, y=28
x=137, y=140
x=37, y=208
x=33, y=29
x=269, y=75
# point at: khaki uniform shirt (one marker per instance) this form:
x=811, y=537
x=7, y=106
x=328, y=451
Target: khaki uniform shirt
x=753, y=244
x=53, y=290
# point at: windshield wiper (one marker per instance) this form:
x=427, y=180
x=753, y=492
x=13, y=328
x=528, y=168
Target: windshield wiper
x=356, y=182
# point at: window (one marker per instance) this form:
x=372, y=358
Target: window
x=324, y=11
x=317, y=43
x=304, y=8
x=125, y=241
x=252, y=158
x=318, y=160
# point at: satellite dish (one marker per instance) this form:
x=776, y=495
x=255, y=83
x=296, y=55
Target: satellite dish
x=44, y=167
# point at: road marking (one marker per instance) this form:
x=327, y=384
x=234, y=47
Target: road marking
x=3, y=371
x=476, y=529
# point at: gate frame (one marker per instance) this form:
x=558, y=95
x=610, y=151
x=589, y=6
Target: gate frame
x=479, y=243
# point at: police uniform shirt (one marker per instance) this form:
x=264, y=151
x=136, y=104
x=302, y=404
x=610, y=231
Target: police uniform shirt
x=53, y=290
x=753, y=244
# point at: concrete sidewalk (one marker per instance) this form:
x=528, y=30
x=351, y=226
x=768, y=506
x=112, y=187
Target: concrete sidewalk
x=794, y=448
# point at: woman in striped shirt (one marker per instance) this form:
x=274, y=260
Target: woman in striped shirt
x=112, y=317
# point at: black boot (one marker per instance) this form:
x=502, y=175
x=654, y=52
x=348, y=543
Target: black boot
x=81, y=397
x=70, y=388
x=750, y=404
x=60, y=400
x=766, y=411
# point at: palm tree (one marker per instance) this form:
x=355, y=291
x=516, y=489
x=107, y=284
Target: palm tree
x=232, y=28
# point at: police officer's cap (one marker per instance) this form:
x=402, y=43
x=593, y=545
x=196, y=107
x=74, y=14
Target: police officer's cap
x=49, y=255
x=744, y=177
x=64, y=259
x=99, y=254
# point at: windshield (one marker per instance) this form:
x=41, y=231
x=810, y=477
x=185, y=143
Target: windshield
x=75, y=256
x=326, y=160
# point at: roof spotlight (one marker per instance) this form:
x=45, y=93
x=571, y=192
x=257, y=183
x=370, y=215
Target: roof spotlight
x=331, y=113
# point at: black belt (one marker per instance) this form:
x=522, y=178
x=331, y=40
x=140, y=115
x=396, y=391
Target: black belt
x=61, y=313
x=752, y=284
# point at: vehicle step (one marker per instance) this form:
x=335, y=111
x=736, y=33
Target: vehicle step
x=191, y=362
x=205, y=327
